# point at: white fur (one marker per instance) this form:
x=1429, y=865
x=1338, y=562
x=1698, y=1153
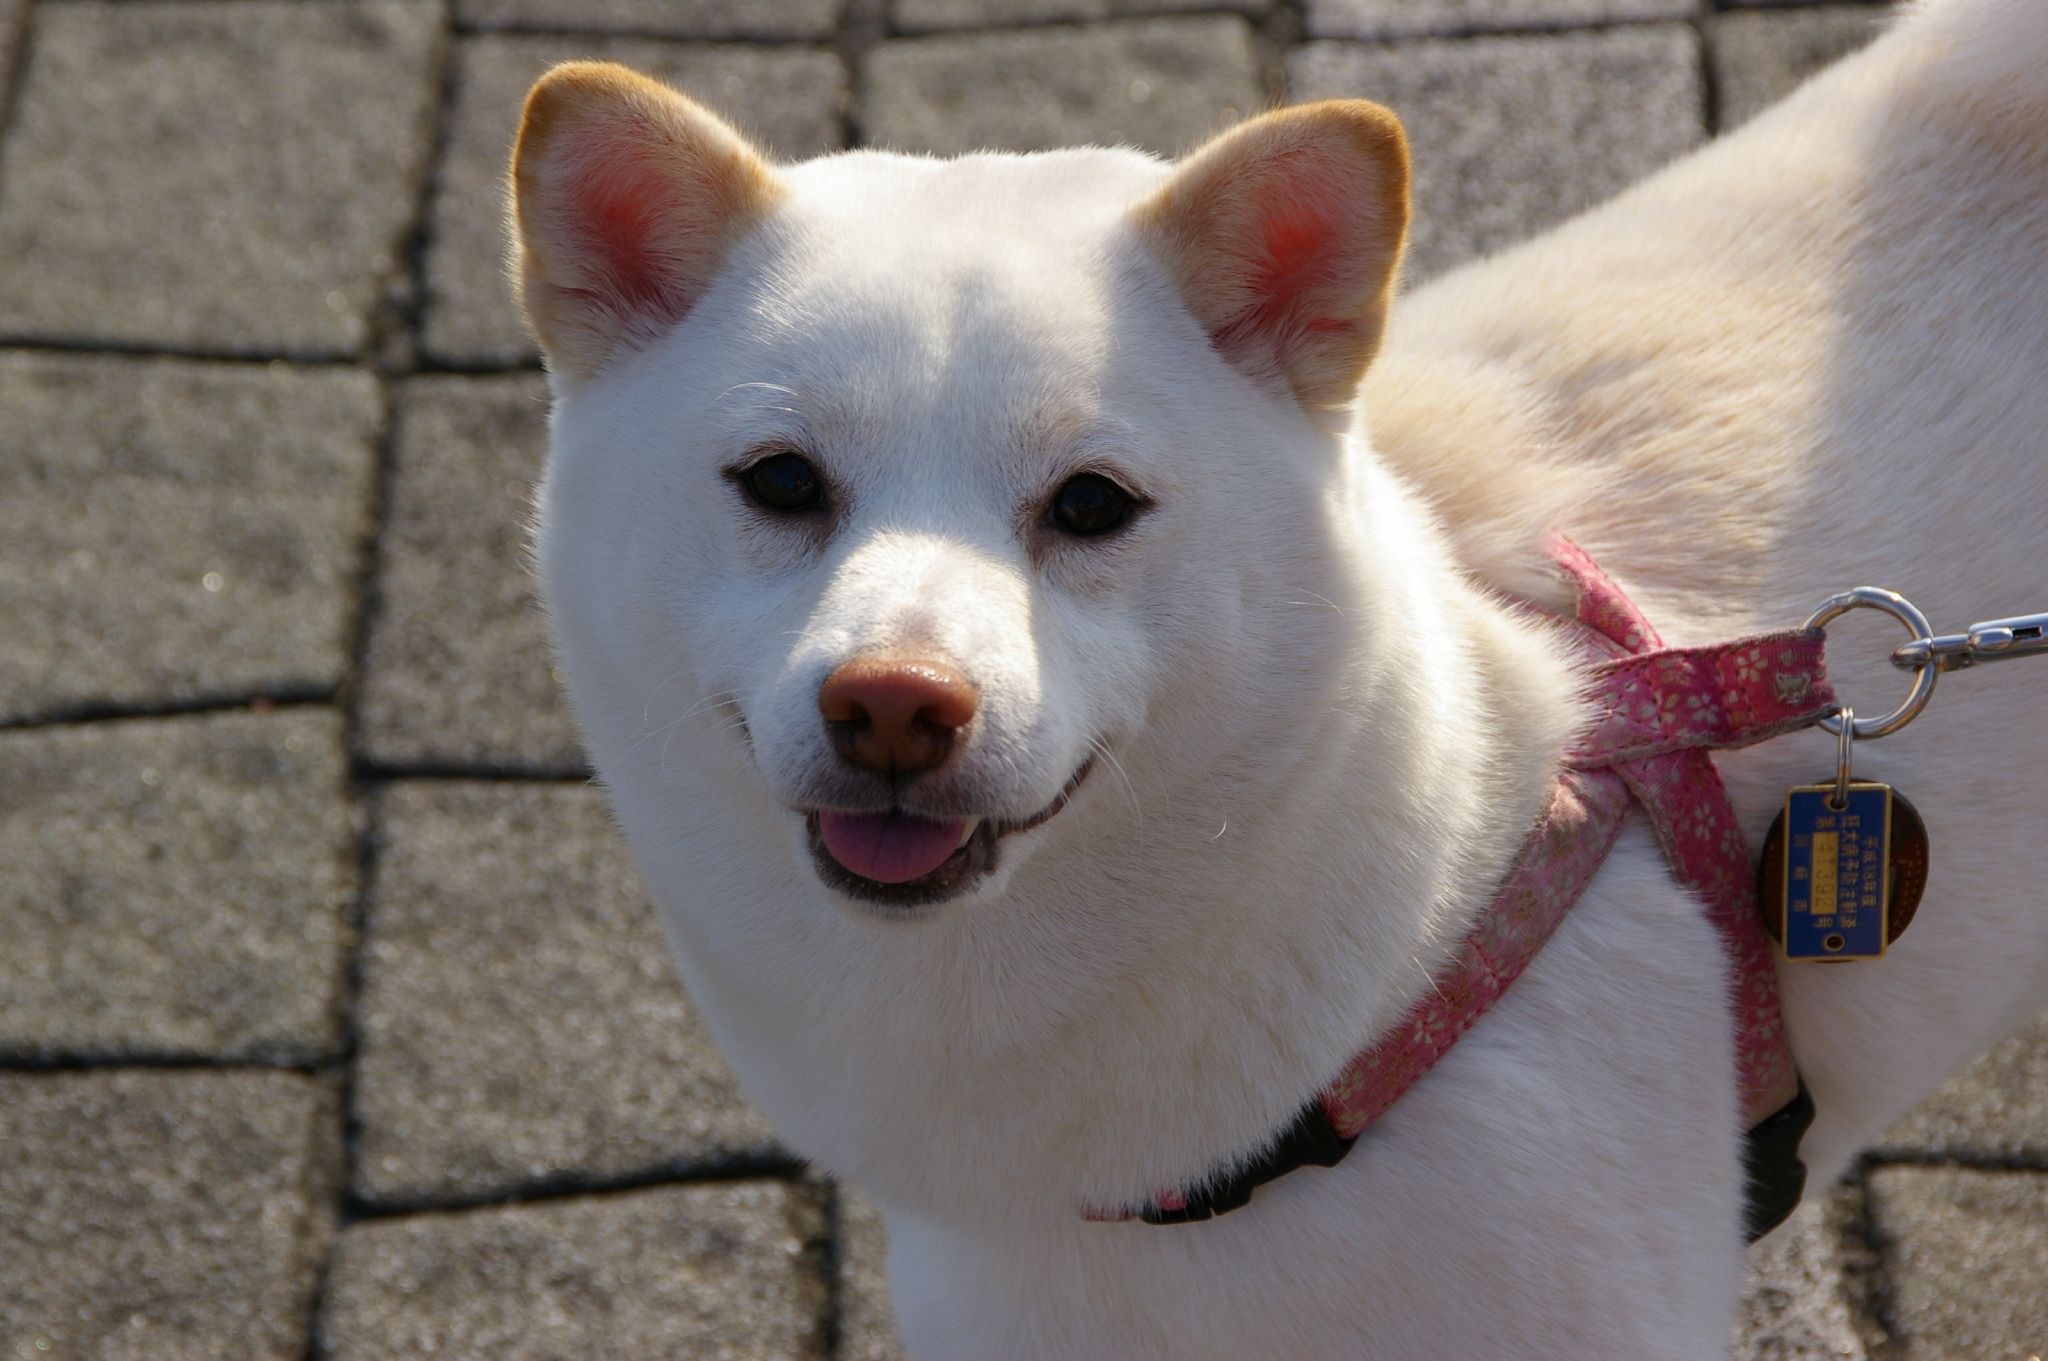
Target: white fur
x=1810, y=356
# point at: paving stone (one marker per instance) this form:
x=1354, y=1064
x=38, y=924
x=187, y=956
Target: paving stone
x=1997, y=1108
x=172, y=531
x=13, y=18
x=521, y=1021
x=459, y=671
x=1760, y=58
x=175, y=887
x=1511, y=135
x=1408, y=18
x=920, y=16
x=672, y=18
x=792, y=100
x=867, y=1325
x=1161, y=84
x=253, y=166
x=162, y=1216
x=723, y=1272
x=1965, y=1250
x=1796, y=1303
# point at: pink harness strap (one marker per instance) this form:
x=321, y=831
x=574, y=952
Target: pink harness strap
x=1657, y=713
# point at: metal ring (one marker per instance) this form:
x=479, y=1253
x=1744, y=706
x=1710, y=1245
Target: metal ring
x=1845, y=737
x=1903, y=610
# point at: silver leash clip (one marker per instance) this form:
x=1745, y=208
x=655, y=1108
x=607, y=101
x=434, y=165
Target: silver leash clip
x=1926, y=654
x=1995, y=640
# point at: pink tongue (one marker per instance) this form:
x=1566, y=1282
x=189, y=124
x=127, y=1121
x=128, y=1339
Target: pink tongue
x=887, y=847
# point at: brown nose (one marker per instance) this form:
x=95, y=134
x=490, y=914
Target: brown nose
x=895, y=714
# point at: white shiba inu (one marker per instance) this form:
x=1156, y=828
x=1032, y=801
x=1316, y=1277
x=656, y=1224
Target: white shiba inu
x=1041, y=622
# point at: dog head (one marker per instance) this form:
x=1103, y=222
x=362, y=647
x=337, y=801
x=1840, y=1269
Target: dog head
x=900, y=511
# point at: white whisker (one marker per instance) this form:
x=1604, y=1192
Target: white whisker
x=655, y=693
x=1324, y=601
x=710, y=702
x=788, y=392
x=1101, y=749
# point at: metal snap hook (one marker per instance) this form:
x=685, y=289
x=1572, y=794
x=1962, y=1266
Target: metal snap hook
x=1903, y=610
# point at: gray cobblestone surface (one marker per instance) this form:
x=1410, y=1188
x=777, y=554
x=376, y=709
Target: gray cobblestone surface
x=1955, y=1239
x=724, y=1272
x=458, y=670
x=12, y=12
x=153, y=1215
x=333, y=1024
x=146, y=504
x=175, y=888
x=921, y=16
x=1801, y=1302
x=1160, y=84
x=521, y=1022
x=1410, y=18
x=220, y=210
x=770, y=19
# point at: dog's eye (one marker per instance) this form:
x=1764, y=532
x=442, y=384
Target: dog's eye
x=1088, y=504
x=784, y=482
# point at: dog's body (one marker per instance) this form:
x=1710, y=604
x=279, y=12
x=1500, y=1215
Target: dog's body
x=1814, y=355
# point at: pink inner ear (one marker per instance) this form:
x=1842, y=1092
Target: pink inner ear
x=1297, y=240
x=623, y=223
x=1293, y=267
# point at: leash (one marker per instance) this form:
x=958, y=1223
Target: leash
x=1843, y=868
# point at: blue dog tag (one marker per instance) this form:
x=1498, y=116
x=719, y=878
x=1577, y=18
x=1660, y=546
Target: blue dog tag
x=1837, y=872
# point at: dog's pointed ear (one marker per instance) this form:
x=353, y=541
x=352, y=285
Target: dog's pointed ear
x=626, y=197
x=1283, y=236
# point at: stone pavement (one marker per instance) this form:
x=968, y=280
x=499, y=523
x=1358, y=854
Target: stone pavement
x=332, y=1021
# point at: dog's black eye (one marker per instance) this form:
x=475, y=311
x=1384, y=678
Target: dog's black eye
x=784, y=482
x=1088, y=504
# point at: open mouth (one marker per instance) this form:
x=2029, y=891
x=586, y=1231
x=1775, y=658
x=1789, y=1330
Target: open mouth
x=905, y=859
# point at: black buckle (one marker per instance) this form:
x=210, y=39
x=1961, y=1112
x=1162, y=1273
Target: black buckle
x=1776, y=1178
x=1310, y=1140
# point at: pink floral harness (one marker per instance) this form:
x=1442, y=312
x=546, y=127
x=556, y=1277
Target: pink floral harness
x=1659, y=712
